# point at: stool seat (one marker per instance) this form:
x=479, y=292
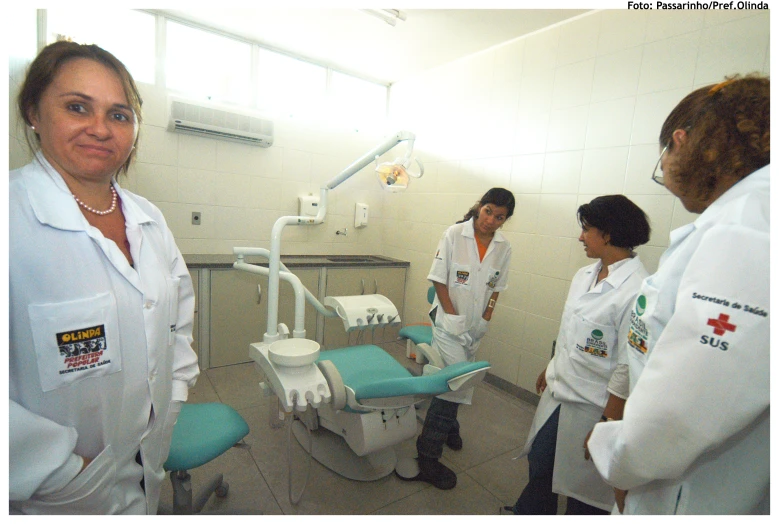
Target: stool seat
x=418, y=334
x=202, y=433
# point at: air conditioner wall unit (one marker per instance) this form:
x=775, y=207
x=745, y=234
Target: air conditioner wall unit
x=201, y=120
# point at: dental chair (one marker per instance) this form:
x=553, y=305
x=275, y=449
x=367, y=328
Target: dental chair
x=202, y=433
x=371, y=406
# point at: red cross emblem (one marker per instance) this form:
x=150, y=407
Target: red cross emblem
x=721, y=324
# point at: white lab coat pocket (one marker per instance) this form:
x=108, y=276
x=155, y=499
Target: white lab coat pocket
x=595, y=344
x=173, y=284
x=88, y=493
x=461, y=276
x=75, y=340
x=455, y=325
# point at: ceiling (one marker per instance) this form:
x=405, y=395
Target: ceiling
x=354, y=42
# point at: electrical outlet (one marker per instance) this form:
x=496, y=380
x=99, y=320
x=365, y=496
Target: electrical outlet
x=196, y=218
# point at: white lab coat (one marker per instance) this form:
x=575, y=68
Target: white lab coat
x=100, y=357
x=471, y=282
x=587, y=352
x=695, y=434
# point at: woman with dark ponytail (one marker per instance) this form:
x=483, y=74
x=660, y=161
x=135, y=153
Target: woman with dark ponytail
x=469, y=270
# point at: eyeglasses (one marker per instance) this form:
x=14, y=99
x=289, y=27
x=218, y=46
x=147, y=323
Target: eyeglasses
x=658, y=178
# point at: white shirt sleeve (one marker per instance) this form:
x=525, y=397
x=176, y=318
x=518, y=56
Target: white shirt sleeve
x=619, y=384
x=503, y=280
x=439, y=271
x=692, y=396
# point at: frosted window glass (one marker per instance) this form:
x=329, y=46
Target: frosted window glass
x=290, y=87
x=128, y=35
x=203, y=64
x=357, y=100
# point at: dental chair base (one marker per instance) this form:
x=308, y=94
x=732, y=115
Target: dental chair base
x=334, y=453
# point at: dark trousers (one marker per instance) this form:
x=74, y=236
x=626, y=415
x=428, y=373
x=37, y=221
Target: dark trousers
x=538, y=498
x=440, y=421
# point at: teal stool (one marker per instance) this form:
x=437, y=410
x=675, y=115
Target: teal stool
x=202, y=433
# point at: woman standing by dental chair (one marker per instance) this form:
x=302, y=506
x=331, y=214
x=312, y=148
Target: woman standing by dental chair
x=586, y=380
x=469, y=270
x=100, y=304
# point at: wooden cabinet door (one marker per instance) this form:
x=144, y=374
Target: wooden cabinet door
x=238, y=316
x=239, y=312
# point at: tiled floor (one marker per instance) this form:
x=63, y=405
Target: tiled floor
x=493, y=428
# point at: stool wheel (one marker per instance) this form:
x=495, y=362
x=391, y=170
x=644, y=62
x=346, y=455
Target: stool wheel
x=221, y=491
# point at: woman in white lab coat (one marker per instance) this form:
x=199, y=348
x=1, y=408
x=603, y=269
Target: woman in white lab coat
x=101, y=303
x=469, y=270
x=586, y=378
x=694, y=437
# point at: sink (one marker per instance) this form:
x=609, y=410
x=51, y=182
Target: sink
x=348, y=258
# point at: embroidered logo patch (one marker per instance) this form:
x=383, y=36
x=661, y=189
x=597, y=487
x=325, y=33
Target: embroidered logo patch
x=638, y=334
x=721, y=324
x=82, y=349
x=594, y=345
x=640, y=305
x=462, y=277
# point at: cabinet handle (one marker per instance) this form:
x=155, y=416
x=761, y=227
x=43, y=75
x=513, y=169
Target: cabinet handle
x=375, y=287
x=362, y=280
x=259, y=293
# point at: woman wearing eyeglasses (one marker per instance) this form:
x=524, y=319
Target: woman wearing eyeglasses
x=694, y=437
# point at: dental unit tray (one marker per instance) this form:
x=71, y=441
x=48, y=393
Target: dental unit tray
x=364, y=311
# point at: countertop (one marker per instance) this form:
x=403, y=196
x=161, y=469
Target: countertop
x=296, y=261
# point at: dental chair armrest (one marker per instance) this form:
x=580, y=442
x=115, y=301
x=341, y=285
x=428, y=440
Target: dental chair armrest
x=432, y=355
x=468, y=379
x=429, y=369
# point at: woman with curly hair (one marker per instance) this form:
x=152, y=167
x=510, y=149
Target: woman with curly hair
x=694, y=437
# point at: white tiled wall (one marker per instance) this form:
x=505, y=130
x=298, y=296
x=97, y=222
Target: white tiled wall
x=577, y=108
x=558, y=117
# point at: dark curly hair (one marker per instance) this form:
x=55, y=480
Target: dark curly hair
x=729, y=130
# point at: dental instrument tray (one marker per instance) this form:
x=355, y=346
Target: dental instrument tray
x=364, y=311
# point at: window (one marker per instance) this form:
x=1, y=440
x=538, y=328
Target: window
x=207, y=65
x=203, y=64
x=128, y=35
x=290, y=87
x=356, y=100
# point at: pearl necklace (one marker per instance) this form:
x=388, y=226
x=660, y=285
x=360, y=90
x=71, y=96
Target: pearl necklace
x=95, y=211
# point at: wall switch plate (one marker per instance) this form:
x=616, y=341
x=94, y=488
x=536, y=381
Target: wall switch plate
x=196, y=218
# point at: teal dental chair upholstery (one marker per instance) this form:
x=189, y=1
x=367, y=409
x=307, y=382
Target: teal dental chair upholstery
x=202, y=433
